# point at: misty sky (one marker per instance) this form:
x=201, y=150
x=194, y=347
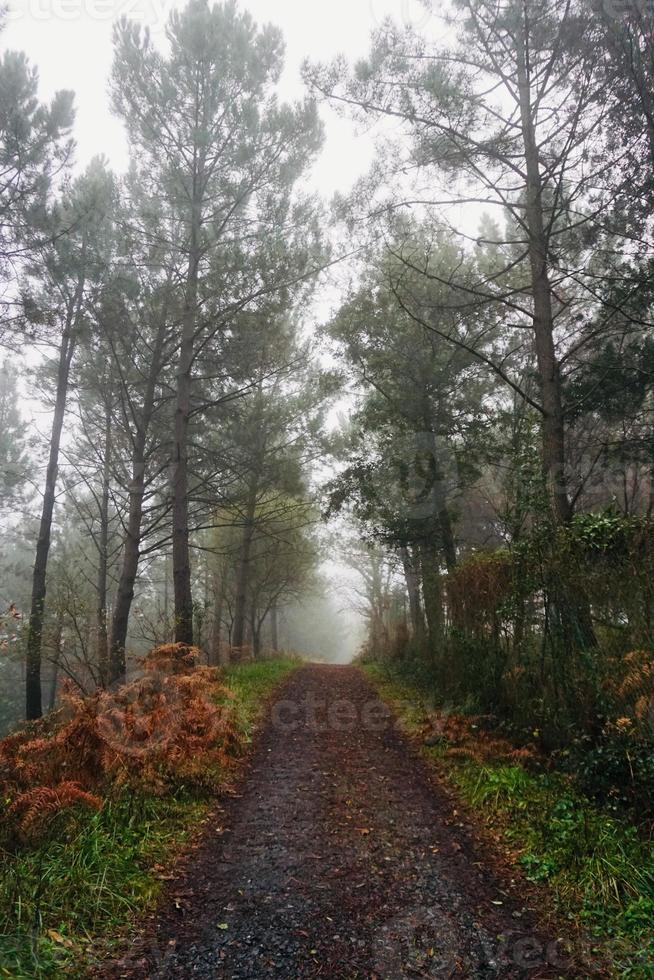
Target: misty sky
x=70, y=42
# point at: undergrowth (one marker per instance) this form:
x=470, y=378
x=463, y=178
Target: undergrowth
x=599, y=866
x=71, y=886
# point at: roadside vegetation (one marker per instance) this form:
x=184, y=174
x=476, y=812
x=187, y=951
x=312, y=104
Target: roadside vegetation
x=597, y=858
x=453, y=359
x=101, y=798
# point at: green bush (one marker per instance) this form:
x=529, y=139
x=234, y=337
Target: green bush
x=618, y=768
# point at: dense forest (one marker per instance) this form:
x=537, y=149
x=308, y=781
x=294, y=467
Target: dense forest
x=220, y=392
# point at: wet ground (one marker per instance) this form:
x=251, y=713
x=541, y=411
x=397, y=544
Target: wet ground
x=341, y=857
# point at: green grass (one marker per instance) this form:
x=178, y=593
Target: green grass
x=87, y=881
x=600, y=869
x=252, y=683
x=70, y=898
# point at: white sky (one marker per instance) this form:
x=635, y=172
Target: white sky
x=70, y=42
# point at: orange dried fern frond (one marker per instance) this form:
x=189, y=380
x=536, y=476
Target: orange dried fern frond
x=164, y=726
x=36, y=808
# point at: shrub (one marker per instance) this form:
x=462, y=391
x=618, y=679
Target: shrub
x=165, y=729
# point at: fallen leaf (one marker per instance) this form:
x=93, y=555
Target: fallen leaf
x=56, y=937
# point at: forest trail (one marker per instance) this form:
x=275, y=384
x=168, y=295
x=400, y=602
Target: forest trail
x=341, y=858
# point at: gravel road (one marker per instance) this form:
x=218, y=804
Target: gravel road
x=340, y=856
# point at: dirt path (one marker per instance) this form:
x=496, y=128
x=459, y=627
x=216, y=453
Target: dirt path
x=341, y=859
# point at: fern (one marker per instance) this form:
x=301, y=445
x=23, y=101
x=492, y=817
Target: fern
x=38, y=807
x=163, y=729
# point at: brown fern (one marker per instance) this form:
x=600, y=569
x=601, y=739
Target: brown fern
x=164, y=727
x=38, y=807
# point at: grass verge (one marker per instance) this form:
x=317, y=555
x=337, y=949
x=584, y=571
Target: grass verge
x=599, y=867
x=251, y=684
x=69, y=898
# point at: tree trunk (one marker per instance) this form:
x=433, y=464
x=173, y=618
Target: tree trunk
x=181, y=553
x=553, y=449
x=33, y=703
x=256, y=635
x=180, y=483
x=132, y=542
x=52, y=700
x=412, y=581
x=215, y=649
x=574, y=609
x=224, y=655
x=433, y=595
x=274, y=627
x=243, y=570
x=439, y=497
x=447, y=536
x=102, y=643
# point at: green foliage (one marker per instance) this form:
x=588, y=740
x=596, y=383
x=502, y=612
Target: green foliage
x=34, y=149
x=88, y=883
x=14, y=466
x=617, y=767
x=599, y=866
x=65, y=901
x=417, y=433
x=520, y=644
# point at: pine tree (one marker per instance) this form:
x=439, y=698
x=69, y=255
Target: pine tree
x=206, y=118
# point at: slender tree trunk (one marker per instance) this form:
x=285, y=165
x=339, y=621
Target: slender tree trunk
x=180, y=482
x=574, y=609
x=181, y=552
x=215, y=652
x=413, y=591
x=256, y=634
x=553, y=450
x=33, y=703
x=167, y=631
x=224, y=655
x=103, y=557
x=243, y=570
x=52, y=700
x=128, y=571
x=439, y=497
x=447, y=535
x=432, y=591
x=274, y=627
x=132, y=542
